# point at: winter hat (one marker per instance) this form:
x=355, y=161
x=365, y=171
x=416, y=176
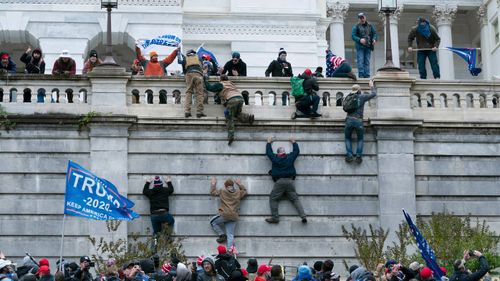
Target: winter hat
x=443, y=269
x=425, y=273
x=263, y=268
x=308, y=72
x=304, y=273
x=93, y=53
x=5, y=56
x=317, y=265
x=84, y=259
x=356, y=88
x=4, y=263
x=236, y=55
x=221, y=249
x=352, y=268
x=414, y=266
x=157, y=182
x=362, y=14
x=252, y=265
x=200, y=260
x=153, y=53
x=44, y=262
x=166, y=267
x=44, y=270
x=282, y=51
x=228, y=182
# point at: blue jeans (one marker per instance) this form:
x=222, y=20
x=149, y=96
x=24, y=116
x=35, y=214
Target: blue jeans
x=363, y=60
x=352, y=124
x=421, y=56
x=224, y=226
x=158, y=220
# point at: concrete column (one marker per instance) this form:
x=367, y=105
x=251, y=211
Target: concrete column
x=394, y=33
x=444, y=14
x=482, y=16
x=337, y=11
x=109, y=89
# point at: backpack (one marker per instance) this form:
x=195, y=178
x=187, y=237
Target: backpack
x=351, y=103
x=225, y=267
x=297, y=87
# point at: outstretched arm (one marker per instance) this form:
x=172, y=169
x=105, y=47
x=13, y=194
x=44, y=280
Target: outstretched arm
x=139, y=54
x=168, y=60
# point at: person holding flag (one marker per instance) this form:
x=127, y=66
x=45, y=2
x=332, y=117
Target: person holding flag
x=154, y=67
x=428, y=42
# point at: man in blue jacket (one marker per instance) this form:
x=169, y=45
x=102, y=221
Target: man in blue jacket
x=283, y=173
x=365, y=37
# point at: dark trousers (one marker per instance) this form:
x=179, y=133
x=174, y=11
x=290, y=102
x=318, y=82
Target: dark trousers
x=308, y=104
x=342, y=70
x=284, y=187
x=421, y=56
x=157, y=220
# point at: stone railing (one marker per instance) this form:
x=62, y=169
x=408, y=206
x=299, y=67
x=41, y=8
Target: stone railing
x=267, y=97
x=96, y=2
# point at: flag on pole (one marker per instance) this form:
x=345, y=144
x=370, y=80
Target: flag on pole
x=95, y=198
x=202, y=51
x=470, y=56
x=167, y=40
x=425, y=249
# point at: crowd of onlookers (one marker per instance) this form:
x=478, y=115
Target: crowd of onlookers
x=224, y=266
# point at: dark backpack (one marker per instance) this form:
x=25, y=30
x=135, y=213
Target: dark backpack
x=351, y=103
x=225, y=267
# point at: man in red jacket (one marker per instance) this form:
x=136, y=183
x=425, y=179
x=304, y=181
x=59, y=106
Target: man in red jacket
x=153, y=67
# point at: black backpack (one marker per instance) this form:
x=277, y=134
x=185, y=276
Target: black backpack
x=225, y=267
x=351, y=103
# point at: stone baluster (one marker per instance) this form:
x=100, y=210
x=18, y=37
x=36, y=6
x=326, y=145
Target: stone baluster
x=444, y=14
x=337, y=11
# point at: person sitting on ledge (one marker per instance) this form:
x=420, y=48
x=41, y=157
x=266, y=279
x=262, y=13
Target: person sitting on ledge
x=337, y=66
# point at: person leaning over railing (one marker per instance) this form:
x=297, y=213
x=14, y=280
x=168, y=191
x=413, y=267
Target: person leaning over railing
x=6, y=64
x=64, y=65
x=92, y=62
x=34, y=61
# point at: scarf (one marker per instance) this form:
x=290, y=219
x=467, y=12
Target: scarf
x=424, y=30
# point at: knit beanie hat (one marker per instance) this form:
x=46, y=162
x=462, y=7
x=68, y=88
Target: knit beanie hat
x=166, y=267
x=93, y=53
x=304, y=273
x=282, y=51
x=153, y=53
x=5, y=56
x=352, y=268
x=157, y=182
x=236, y=55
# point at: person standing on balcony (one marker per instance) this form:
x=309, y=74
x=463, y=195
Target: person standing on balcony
x=6, y=64
x=92, y=62
x=365, y=37
x=34, y=61
x=230, y=198
x=64, y=65
x=280, y=67
x=337, y=66
x=158, y=201
x=235, y=67
x=233, y=101
x=428, y=40
x=193, y=70
x=154, y=67
x=353, y=104
x=283, y=174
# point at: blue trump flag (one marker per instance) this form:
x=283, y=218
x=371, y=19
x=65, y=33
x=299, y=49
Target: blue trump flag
x=168, y=40
x=95, y=198
x=202, y=51
x=425, y=249
x=469, y=55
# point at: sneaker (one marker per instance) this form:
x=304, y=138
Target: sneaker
x=304, y=220
x=199, y=115
x=358, y=159
x=222, y=238
x=187, y=114
x=230, y=140
x=349, y=159
x=251, y=119
x=272, y=220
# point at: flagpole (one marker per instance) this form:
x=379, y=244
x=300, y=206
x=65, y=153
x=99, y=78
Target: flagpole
x=62, y=243
x=430, y=49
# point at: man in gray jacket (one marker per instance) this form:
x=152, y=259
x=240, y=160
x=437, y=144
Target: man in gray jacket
x=209, y=273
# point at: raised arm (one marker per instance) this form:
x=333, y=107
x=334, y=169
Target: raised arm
x=171, y=57
x=213, y=187
x=243, y=190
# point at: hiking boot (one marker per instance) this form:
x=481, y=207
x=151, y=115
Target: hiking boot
x=304, y=220
x=222, y=238
x=358, y=159
x=251, y=119
x=349, y=159
x=187, y=114
x=199, y=115
x=272, y=220
x=230, y=140
x=352, y=76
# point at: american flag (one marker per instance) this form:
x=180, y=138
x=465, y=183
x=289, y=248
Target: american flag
x=424, y=247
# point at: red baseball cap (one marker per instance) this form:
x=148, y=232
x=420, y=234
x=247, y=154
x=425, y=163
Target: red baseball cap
x=308, y=72
x=263, y=268
x=222, y=249
x=44, y=270
x=425, y=273
x=5, y=56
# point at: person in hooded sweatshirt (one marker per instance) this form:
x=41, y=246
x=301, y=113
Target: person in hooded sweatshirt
x=183, y=273
x=209, y=273
x=225, y=263
x=283, y=174
x=304, y=274
x=280, y=67
x=28, y=266
x=34, y=61
x=359, y=273
x=92, y=62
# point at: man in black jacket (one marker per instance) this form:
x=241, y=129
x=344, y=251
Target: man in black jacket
x=308, y=103
x=461, y=273
x=280, y=67
x=235, y=67
x=158, y=200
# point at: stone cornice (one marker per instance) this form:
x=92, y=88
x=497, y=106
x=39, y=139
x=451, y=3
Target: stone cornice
x=444, y=14
x=336, y=10
x=394, y=16
x=249, y=29
x=96, y=2
x=482, y=15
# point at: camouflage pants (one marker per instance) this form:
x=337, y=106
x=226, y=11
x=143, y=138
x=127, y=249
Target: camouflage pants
x=234, y=107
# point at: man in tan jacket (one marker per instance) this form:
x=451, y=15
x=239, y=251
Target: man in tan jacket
x=225, y=222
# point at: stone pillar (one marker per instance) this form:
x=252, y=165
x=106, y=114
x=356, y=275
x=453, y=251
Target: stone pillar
x=109, y=89
x=394, y=33
x=482, y=15
x=394, y=127
x=321, y=27
x=444, y=14
x=337, y=11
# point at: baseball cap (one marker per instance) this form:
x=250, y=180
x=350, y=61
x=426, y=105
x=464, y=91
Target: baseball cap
x=362, y=14
x=263, y=268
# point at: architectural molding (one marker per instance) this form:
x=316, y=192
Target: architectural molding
x=394, y=16
x=482, y=15
x=444, y=14
x=96, y=2
x=249, y=29
x=336, y=10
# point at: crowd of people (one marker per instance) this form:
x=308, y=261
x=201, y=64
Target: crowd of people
x=224, y=266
